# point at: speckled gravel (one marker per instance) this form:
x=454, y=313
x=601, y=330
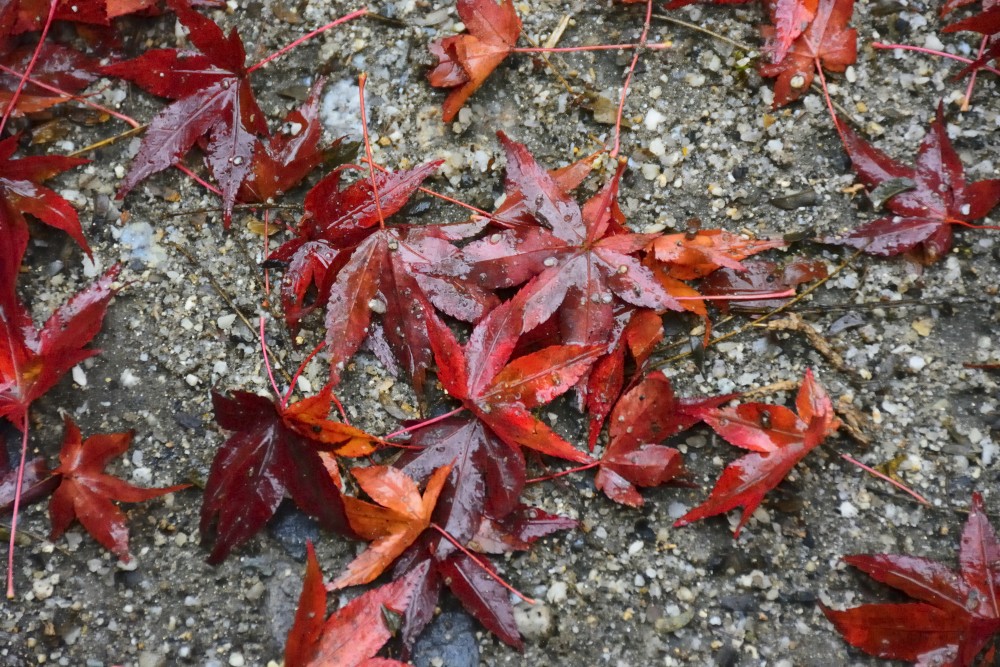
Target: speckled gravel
x=626, y=589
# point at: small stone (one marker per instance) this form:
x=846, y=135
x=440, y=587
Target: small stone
x=236, y=660
x=449, y=640
x=534, y=621
x=556, y=592
x=152, y=659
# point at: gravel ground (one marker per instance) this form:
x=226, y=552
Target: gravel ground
x=626, y=589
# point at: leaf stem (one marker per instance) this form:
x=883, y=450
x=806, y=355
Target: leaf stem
x=563, y=473
x=298, y=372
x=829, y=102
x=428, y=422
x=267, y=360
x=963, y=223
x=20, y=86
x=280, y=52
x=597, y=47
x=738, y=297
x=82, y=99
x=628, y=78
x=362, y=80
x=898, y=485
x=480, y=563
x=933, y=52
x=972, y=76
x=17, y=504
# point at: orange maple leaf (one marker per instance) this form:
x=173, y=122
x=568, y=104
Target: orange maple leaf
x=395, y=523
x=692, y=256
x=466, y=60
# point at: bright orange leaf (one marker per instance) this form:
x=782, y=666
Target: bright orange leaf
x=395, y=523
x=466, y=60
x=692, y=256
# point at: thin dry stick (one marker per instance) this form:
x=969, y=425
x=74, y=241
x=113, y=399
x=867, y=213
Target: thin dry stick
x=780, y=309
x=136, y=129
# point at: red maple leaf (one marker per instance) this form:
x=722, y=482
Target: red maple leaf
x=400, y=517
x=33, y=360
x=642, y=333
x=955, y=615
x=85, y=491
x=352, y=634
x=487, y=476
x=501, y=394
x=466, y=60
x=647, y=414
x=922, y=216
x=57, y=66
x=583, y=267
x=695, y=255
x=827, y=43
x=214, y=100
x=21, y=192
x=31, y=14
x=779, y=439
x=285, y=158
x=348, y=259
x=760, y=277
x=275, y=450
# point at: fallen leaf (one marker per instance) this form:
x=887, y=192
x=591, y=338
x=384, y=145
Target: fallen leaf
x=213, y=99
x=353, y=634
x=922, y=217
x=85, y=491
x=955, y=615
x=33, y=360
x=466, y=60
x=274, y=450
x=778, y=438
x=827, y=43
x=393, y=524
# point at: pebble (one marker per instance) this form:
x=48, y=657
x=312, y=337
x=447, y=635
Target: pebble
x=292, y=529
x=556, y=592
x=534, y=621
x=152, y=659
x=236, y=660
x=449, y=640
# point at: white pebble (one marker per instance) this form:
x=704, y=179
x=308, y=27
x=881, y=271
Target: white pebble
x=129, y=379
x=79, y=376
